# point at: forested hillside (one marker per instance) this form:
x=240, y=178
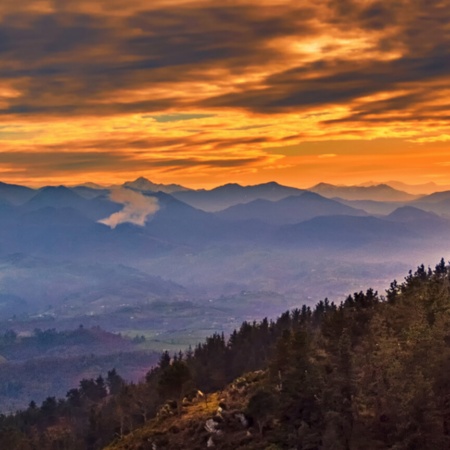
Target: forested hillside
x=369, y=373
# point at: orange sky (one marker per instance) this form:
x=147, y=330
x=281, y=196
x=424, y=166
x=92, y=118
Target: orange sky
x=203, y=93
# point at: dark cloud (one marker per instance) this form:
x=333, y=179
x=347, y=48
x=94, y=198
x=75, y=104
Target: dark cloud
x=164, y=118
x=341, y=81
x=175, y=164
x=417, y=29
x=379, y=15
x=63, y=62
x=69, y=62
x=38, y=163
x=118, y=154
x=75, y=162
x=80, y=61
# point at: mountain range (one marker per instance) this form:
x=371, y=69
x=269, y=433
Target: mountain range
x=143, y=185
x=415, y=189
x=380, y=192
x=231, y=194
x=176, y=265
x=205, y=242
x=292, y=209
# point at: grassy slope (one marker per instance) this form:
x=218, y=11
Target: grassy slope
x=187, y=430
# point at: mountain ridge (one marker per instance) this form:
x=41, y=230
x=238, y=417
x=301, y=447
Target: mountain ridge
x=379, y=192
x=289, y=210
x=230, y=194
x=144, y=185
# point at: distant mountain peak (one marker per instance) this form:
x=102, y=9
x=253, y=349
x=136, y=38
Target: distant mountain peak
x=322, y=184
x=141, y=182
x=230, y=194
x=411, y=213
x=230, y=186
x=270, y=183
x=144, y=184
x=90, y=185
x=57, y=191
x=367, y=186
x=379, y=192
x=3, y=184
x=59, y=188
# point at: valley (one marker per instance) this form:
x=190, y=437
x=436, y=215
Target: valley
x=187, y=272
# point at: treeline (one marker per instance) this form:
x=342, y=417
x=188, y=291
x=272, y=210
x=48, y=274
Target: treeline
x=371, y=372
x=15, y=346
x=53, y=376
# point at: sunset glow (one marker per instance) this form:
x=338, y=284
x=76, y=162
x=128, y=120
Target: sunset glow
x=202, y=93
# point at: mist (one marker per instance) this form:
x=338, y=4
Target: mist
x=137, y=208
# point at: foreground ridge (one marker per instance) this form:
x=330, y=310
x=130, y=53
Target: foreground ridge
x=371, y=372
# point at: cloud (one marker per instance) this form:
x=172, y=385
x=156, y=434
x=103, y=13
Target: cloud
x=65, y=62
x=136, y=210
x=73, y=61
x=179, y=117
x=107, y=88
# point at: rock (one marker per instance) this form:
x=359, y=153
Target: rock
x=241, y=417
x=222, y=405
x=211, y=426
x=210, y=442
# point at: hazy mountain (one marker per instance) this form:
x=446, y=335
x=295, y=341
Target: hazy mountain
x=289, y=210
x=417, y=189
x=414, y=189
x=63, y=197
x=228, y=195
x=5, y=207
x=54, y=196
x=15, y=194
x=90, y=192
x=435, y=197
x=202, y=250
x=345, y=232
x=371, y=206
x=144, y=185
x=59, y=266
x=44, y=226
x=438, y=202
x=90, y=185
x=412, y=214
x=429, y=224
x=62, y=232
x=77, y=287
x=380, y=192
x=178, y=222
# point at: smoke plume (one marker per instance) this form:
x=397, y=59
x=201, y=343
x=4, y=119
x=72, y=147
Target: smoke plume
x=137, y=207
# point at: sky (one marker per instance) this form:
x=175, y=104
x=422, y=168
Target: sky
x=203, y=93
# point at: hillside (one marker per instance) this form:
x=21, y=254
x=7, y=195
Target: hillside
x=144, y=185
x=369, y=373
x=209, y=254
x=344, y=232
x=15, y=194
x=220, y=418
x=223, y=197
x=290, y=210
x=379, y=192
